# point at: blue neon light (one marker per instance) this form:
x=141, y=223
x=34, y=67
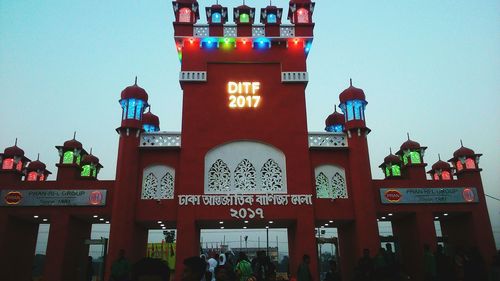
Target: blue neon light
x=262, y=43
x=209, y=42
x=149, y=128
x=216, y=18
x=271, y=18
x=335, y=128
x=308, y=47
x=354, y=109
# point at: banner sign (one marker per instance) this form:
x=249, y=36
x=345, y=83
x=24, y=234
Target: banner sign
x=53, y=197
x=425, y=195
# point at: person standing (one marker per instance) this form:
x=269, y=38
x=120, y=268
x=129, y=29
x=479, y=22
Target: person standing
x=120, y=269
x=333, y=274
x=243, y=268
x=304, y=273
x=89, y=273
x=429, y=264
x=194, y=269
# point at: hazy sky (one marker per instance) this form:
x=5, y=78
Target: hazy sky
x=430, y=68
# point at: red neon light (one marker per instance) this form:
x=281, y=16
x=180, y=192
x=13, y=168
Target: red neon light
x=32, y=176
x=8, y=164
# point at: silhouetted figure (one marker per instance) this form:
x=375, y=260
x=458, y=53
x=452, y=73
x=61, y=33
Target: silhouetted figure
x=333, y=273
x=260, y=267
x=379, y=265
x=120, y=269
x=225, y=268
x=89, y=273
x=475, y=267
x=304, y=273
x=495, y=268
x=364, y=270
x=429, y=264
x=194, y=269
x=443, y=265
x=150, y=267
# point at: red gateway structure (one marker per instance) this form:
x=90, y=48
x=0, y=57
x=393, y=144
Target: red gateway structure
x=244, y=158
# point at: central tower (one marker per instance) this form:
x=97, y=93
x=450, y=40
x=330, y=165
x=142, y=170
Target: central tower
x=244, y=92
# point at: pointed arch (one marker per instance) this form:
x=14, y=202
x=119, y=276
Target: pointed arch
x=323, y=189
x=245, y=176
x=149, y=187
x=271, y=175
x=219, y=177
x=166, y=190
x=338, y=185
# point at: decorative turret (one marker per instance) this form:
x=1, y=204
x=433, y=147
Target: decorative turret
x=411, y=152
x=90, y=166
x=465, y=159
x=186, y=11
x=441, y=170
x=391, y=166
x=244, y=15
x=13, y=159
x=134, y=100
x=353, y=104
x=150, y=122
x=271, y=15
x=335, y=122
x=36, y=171
x=216, y=14
x=300, y=11
x=412, y=155
x=71, y=152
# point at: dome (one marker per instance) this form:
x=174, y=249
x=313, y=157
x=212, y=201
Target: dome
x=411, y=145
x=90, y=159
x=134, y=92
x=463, y=151
x=73, y=144
x=391, y=158
x=335, y=118
x=151, y=119
x=13, y=151
x=36, y=165
x=352, y=93
x=441, y=165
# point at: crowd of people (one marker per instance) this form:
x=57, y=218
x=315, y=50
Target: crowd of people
x=384, y=266
x=437, y=266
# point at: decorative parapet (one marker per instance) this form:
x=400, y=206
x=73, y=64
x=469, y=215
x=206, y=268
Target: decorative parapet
x=294, y=77
x=160, y=139
x=193, y=76
x=285, y=31
x=327, y=140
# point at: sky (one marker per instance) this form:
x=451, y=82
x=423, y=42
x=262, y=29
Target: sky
x=429, y=68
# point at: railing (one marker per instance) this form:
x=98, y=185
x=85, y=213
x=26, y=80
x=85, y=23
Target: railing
x=327, y=140
x=160, y=139
x=173, y=139
x=231, y=30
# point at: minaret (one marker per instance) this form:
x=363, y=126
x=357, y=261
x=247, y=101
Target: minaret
x=126, y=234
x=412, y=156
x=441, y=170
x=391, y=166
x=335, y=122
x=36, y=171
x=365, y=232
x=465, y=161
x=13, y=163
x=150, y=122
x=70, y=156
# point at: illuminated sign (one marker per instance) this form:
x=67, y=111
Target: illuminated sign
x=423, y=195
x=53, y=197
x=243, y=94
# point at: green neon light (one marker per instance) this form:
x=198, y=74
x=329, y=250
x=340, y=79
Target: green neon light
x=396, y=170
x=68, y=157
x=86, y=171
x=415, y=157
x=244, y=18
x=387, y=172
x=78, y=159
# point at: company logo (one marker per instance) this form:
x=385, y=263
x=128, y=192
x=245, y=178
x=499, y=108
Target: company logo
x=468, y=195
x=13, y=197
x=393, y=195
x=95, y=198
